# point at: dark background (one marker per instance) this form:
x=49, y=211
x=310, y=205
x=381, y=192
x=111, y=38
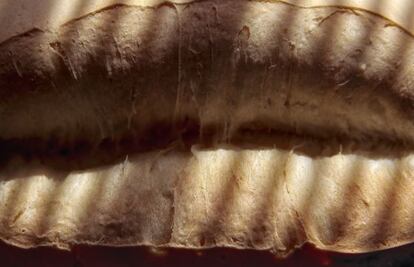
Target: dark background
x=95, y=256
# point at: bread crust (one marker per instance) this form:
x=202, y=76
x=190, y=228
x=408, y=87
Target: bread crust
x=265, y=77
x=261, y=198
x=212, y=66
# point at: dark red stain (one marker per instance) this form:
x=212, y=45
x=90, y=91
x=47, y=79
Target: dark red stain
x=96, y=256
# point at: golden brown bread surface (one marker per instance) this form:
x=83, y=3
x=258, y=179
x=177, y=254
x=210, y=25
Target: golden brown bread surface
x=302, y=116
x=211, y=66
x=246, y=198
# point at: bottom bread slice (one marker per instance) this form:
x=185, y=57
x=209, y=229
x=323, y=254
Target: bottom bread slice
x=261, y=198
